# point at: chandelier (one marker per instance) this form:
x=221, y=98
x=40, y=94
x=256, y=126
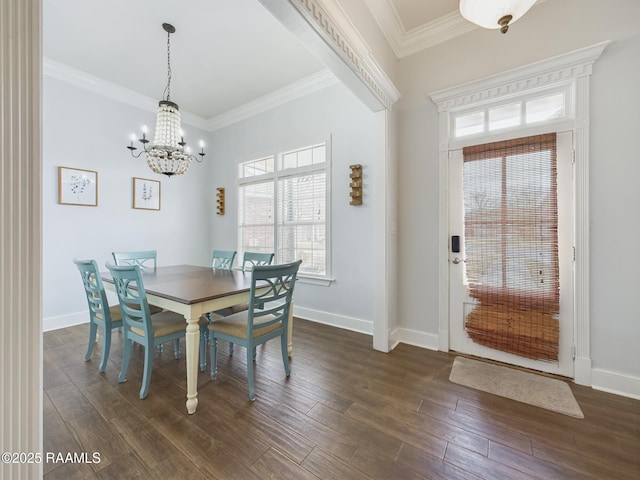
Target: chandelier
x=494, y=13
x=168, y=153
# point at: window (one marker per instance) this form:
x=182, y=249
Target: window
x=528, y=111
x=283, y=207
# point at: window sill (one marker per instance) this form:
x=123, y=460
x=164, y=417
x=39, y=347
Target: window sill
x=320, y=281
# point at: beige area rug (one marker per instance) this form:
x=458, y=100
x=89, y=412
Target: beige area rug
x=525, y=387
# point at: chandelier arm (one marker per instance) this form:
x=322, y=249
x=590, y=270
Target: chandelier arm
x=131, y=149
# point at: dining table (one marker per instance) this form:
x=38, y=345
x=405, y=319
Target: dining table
x=193, y=291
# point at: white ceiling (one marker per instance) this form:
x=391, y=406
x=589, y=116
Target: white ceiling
x=224, y=53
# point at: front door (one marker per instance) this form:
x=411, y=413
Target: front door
x=517, y=260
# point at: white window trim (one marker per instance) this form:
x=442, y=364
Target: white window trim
x=573, y=70
x=278, y=153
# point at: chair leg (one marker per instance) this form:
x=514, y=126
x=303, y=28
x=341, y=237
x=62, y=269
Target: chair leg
x=231, y=349
x=250, y=375
x=176, y=348
x=254, y=353
x=213, y=352
x=160, y=348
x=285, y=354
x=126, y=355
x=148, y=368
x=204, y=333
x=92, y=340
x=106, y=346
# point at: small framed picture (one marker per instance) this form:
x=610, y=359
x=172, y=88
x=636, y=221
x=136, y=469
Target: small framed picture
x=77, y=187
x=146, y=194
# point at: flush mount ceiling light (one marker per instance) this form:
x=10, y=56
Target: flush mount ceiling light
x=168, y=154
x=494, y=13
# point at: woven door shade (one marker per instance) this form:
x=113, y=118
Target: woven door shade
x=511, y=246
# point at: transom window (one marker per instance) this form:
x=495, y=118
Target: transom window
x=513, y=114
x=283, y=207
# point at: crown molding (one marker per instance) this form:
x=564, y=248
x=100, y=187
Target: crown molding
x=435, y=32
x=78, y=78
x=340, y=33
x=563, y=68
x=313, y=83
x=386, y=16
x=405, y=43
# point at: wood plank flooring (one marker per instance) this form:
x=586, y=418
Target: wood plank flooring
x=346, y=412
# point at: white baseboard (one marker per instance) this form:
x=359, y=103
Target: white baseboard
x=63, y=321
x=340, y=321
x=617, y=383
x=415, y=337
x=582, y=371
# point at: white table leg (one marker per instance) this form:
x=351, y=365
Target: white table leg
x=192, y=341
x=290, y=331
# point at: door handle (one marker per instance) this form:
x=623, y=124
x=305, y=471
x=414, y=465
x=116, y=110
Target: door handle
x=457, y=260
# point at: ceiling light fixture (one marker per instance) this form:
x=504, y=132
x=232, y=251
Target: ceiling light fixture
x=494, y=13
x=168, y=154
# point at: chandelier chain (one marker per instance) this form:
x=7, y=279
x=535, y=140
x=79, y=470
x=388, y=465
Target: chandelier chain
x=168, y=87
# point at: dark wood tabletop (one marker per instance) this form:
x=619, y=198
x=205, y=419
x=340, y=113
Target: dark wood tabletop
x=191, y=284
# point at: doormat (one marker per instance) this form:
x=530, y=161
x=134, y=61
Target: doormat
x=536, y=390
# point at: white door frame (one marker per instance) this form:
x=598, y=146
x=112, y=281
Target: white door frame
x=572, y=69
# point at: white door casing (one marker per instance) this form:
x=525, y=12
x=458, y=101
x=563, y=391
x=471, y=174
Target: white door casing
x=572, y=70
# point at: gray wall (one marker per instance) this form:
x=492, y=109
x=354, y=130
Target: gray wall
x=334, y=111
x=85, y=130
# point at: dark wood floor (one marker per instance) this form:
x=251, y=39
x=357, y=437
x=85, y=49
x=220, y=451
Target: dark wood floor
x=346, y=412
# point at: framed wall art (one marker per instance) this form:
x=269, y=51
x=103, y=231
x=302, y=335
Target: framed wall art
x=77, y=187
x=146, y=194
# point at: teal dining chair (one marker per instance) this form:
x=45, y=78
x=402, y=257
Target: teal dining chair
x=249, y=260
x=266, y=317
x=100, y=313
x=144, y=259
x=140, y=326
x=223, y=259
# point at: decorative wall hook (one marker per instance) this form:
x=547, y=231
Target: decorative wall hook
x=220, y=200
x=356, y=184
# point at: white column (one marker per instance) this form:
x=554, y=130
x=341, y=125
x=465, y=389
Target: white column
x=379, y=197
x=582, y=364
x=20, y=235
